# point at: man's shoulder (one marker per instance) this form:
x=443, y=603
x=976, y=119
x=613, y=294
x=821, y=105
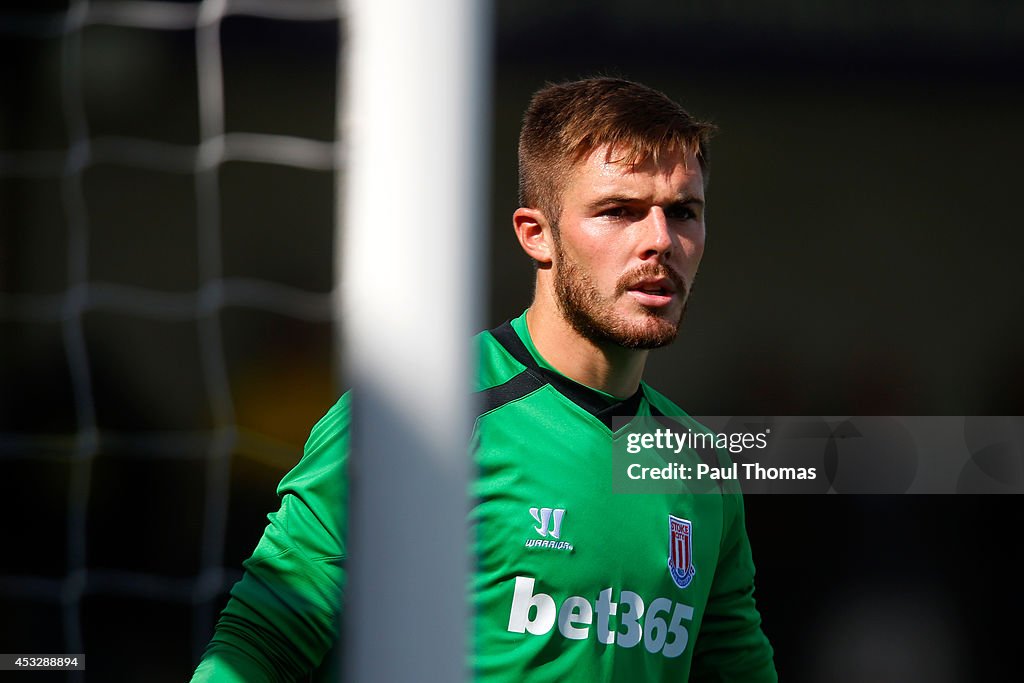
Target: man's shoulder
x=326, y=451
x=495, y=365
x=333, y=423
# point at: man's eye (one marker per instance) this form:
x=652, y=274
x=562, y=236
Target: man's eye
x=682, y=213
x=615, y=212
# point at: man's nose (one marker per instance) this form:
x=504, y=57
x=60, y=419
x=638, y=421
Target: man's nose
x=657, y=239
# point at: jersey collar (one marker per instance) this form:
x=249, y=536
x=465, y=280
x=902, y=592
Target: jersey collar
x=514, y=336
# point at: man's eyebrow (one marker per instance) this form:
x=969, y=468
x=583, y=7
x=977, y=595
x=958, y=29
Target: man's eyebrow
x=687, y=199
x=611, y=200
x=616, y=200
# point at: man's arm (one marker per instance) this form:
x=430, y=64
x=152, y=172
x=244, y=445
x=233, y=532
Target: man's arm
x=731, y=647
x=282, y=616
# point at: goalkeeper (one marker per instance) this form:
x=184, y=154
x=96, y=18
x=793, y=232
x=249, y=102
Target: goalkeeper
x=571, y=583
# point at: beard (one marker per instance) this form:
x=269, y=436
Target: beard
x=593, y=316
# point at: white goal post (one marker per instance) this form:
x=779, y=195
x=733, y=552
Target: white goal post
x=413, y=121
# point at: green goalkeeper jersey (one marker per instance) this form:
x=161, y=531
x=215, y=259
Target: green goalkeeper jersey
x=572, y=582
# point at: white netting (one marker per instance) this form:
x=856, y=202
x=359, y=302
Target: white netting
x=67, y=166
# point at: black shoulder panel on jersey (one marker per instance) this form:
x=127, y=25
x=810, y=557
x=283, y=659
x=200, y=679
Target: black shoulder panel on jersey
x=507, y=337
x=522, y=384
x=591, y=401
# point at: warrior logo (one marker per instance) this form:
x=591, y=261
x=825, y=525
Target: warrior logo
x=680, y=551
x=549, y=527
x=544, y=517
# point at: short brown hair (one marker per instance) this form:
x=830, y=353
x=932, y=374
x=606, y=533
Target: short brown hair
x=566, y=121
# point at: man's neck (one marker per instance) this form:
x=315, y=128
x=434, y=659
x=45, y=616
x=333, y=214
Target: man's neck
x=608, y=368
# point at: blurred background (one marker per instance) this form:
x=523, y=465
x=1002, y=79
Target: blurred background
x=166, y=265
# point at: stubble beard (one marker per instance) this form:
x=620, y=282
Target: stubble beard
x=593, y=316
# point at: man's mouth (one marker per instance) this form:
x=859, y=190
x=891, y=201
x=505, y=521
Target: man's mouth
x=660, y=287
x=654, y=292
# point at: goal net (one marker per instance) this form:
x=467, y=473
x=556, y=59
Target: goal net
x=168, y=177
x=172, y=195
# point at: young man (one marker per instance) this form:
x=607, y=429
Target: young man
x=572, y=582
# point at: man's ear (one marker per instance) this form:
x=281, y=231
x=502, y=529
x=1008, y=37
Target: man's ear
x=534, y=234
